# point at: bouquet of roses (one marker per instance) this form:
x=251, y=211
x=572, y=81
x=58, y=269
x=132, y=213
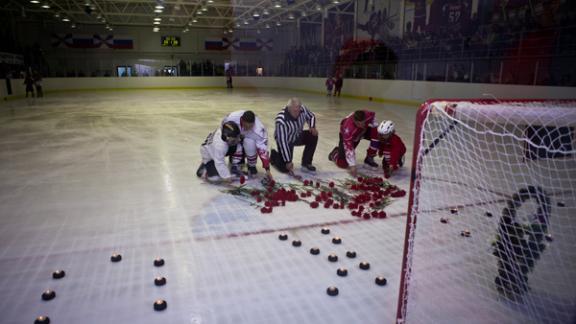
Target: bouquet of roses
x=365, y=197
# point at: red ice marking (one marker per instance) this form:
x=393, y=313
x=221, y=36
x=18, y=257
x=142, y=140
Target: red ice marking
x=239, y=234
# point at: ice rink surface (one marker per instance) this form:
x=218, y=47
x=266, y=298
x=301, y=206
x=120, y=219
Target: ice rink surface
x=87, y=174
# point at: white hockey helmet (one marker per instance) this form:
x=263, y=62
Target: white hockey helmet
x=386, y=127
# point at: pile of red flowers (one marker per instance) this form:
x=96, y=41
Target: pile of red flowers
x=365, y=197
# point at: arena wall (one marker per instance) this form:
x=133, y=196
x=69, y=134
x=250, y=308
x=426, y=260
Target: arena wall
x=394, y=91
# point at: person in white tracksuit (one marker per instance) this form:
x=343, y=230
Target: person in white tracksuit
x=224, y=141
x=255, y=140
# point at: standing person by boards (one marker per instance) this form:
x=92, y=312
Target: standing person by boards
x=290, y=132
x=29, y=83
x=38, y=84
x=229, y=78
x=329, y=85
x=338, y=85
x=357, y=126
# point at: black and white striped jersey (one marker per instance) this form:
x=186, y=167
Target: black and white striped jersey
x=289, y=129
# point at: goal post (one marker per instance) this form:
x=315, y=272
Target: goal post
x=491, y=227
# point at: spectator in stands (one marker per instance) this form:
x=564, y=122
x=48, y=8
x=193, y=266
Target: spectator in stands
x=29, y=82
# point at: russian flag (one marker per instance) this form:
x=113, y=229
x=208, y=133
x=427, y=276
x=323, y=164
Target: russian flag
x=214, y=44
x=122, y=44
x=247, y=45
x=83, y=43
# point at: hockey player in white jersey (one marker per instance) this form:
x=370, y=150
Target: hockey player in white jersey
x=224, y=141
x=255, y=140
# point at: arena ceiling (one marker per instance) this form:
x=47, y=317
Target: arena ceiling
x=228, y=15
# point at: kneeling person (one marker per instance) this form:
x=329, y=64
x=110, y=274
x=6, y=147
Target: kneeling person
x=290, y=132
x=390, y=147
x=357, y=126
x=225, y=141
x=254, y=142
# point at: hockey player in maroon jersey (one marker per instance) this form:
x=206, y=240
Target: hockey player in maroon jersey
x=389, y=146
x=355, y=127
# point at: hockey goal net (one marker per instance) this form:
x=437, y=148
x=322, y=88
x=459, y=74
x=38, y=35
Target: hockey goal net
x=491, y=228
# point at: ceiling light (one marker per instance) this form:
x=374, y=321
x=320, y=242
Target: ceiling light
x=73, y=26
x=265, y=12
x=177, y=7
x=157, y=19
x=46, y=6
x=225, y=32
x=158, y=10
x=230, y=30
x=194, y=20
x=99, y=17
x=277, y=5
x=245, y=22
x=318, y=7
x=256, y=14
x=87, y=3
x=335, y=1
x=34, y=1
x=199, y=12
x=93, y=7
x=56, y=15
x=303, y=14
x=110, y=29
x=159, y=6
x=291, y=16
x=278, y=24
x=65, y=19
x=267, y=26
x=237, y=25
x=156, y=23
x=205, y=8
x=210, y=1
x=155, y=29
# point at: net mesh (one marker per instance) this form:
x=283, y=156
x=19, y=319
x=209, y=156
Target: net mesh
x=492, y=232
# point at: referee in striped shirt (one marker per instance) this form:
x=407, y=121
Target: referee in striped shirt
x=290, y=132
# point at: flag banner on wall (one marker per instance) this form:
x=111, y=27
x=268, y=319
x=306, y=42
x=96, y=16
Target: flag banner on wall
x=221, y=44
x=94, y=41
x=379, y=20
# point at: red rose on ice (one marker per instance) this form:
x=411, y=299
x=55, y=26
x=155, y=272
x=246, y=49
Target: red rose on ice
x=317, y=184
x=366, y=216
x=399, y=193
x=314, y=204
x=258, y=199
x=305, y=182
x=242, y=179
x=331, y=184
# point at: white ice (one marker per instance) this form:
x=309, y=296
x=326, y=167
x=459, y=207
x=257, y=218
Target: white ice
x=87, y=174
